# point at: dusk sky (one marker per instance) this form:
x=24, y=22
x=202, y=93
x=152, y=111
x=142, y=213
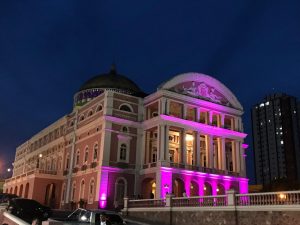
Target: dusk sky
x=49, y=48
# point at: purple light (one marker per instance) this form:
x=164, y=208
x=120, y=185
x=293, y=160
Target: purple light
x=205, y=128
x=103, y=189
x=166, y=181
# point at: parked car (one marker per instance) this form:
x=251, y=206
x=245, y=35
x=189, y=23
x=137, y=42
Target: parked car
x=83, y=216
x=5, y=197
x=29, y=210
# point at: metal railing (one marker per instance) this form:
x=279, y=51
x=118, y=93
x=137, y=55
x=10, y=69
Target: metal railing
x=270, y=198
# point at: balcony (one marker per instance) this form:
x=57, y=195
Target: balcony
x=191, y=167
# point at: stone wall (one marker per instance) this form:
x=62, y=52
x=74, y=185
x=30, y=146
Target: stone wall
x=164, y=217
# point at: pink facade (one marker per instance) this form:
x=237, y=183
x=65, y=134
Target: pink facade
x=187, y=137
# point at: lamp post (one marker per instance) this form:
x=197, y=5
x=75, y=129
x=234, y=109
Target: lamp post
x=38, y=160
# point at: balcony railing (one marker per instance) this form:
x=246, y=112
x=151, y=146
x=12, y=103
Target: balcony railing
x=271, y=198
x=235, y=201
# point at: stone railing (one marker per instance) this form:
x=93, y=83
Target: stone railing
x=229, y=200
x=270, y=198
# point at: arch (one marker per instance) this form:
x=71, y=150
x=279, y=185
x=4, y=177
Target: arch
x=91, y=190
x=16, y=190
x=95, y=155
x=126, y=107
x=124, y=129
x=147, y=188
x=99, y=108
x=73, y=191
x=50, y=195
x=81, y=118
x=207, y=189
x=178, y=187
x=11, y=190
x=82, y=189
x=235, y=187
x=26, y=190
x=194, y=189
x=202, y=79
x=90, y=113
x=77, y=159
x=220, y=189
x=21, y=191
x=120, y=191
x=86, y=154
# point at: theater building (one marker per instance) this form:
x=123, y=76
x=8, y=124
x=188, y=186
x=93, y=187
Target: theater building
x=185, y=137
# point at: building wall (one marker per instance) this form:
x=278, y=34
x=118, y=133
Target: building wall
x=112, y=119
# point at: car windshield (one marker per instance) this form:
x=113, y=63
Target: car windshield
x=114, y=218
x=81, y=215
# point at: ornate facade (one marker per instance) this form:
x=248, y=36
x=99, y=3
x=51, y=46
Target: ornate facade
x=185, y=137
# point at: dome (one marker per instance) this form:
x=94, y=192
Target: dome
x=111, y=80
x=108, y=81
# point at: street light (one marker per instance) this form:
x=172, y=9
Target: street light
x=38, y=160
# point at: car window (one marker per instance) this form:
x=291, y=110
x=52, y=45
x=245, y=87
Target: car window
x=114, y=218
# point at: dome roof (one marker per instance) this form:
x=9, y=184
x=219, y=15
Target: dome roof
x=112, y=80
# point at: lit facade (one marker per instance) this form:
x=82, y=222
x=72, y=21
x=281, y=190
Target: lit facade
x=185, y=137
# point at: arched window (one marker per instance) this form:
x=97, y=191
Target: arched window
x=95, y=152
x=68, y=162
x=86, y=155
x=91, y=191
x=124, y=129
x=125, y=107
x=82, y=189
x=77, y=158
x=73, y=191
x=81, y=117
x=90, y=113
x=99, y=108
x=123, y=151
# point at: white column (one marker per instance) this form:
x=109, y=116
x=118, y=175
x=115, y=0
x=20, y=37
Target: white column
x=198, y=149
x=158, y=184
x=222, y=120
x=243, y=166
x=183, y=146
x=143, y=148
x=147, y=150
x=197, y=115
x=162, y=144
x=223, y=154
x=233, y=155
x=162, y=104
x=210, y=116
x=167, y=106
x=238, y=156
x=166, y=155
x=158, y=143
x=220, y=153
x=195, y=148
x=210, y=152
x=184, y=111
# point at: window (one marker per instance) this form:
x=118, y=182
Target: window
x=99, y=108
x=92, y=184
x=125, y=129
x=123, y=150
x=77, y=158
x=81, y=118
x=86, y=155
x=90, y=113
x=125, y=108
x=95, y=152
x=68, y=162
x=154, y=155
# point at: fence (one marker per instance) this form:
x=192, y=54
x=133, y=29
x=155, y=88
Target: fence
x=228, y=200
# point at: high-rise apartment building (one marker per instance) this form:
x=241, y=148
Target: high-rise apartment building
x=275, y=126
